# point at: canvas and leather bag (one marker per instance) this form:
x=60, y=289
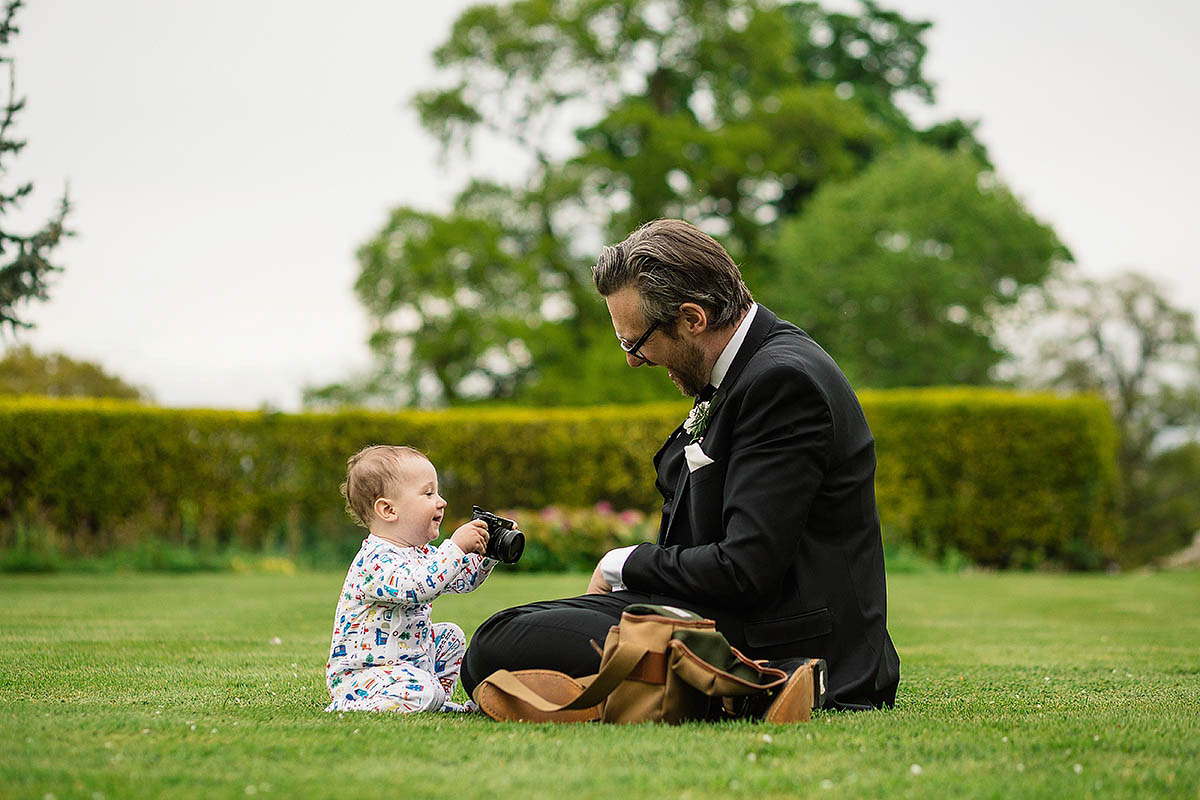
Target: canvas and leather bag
x=659, y=664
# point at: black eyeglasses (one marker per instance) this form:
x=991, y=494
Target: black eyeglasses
x=633, y=349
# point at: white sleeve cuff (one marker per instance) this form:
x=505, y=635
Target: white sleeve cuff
x=613, y=563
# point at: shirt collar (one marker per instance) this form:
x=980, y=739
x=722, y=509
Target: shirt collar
x=731, y=350
x=375, y=541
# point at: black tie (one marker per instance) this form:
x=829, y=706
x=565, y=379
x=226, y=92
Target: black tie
x=705, y=394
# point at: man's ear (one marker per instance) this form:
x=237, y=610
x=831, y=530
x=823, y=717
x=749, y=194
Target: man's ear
x=385, y=510
x=693, y=318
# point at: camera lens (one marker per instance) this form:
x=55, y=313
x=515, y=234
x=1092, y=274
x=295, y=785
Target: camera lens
x=505, y=542
x=507, y=546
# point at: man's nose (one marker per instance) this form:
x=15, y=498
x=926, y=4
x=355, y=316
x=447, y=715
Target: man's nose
x=633, y=360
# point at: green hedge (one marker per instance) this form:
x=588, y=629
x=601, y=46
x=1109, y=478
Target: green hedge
x=1006, y=479
x=1003, y=478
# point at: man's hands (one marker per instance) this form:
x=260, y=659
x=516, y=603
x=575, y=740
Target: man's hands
x=597, y=585
x=471, y=537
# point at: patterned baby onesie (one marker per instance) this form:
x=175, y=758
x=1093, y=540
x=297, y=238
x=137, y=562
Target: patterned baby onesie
x=386, y=655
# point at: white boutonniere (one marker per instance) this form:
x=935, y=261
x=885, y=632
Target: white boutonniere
x=697, y=420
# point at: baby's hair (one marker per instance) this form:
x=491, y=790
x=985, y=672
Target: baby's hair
x=373, y=472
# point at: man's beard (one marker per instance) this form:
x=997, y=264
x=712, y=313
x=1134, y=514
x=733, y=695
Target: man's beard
x=688, y=373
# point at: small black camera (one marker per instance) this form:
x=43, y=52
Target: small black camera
x=505, y=542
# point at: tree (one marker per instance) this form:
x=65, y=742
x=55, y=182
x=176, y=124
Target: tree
x=24, y=372
x=1124, y=339
x=1169, y=516
x=728, y=113
x=24, y=264
x=898, y=271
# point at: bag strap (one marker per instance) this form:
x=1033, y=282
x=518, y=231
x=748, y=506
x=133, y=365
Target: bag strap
x=625, y=658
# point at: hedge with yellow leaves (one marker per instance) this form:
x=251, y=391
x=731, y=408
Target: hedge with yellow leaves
x=1005, y=479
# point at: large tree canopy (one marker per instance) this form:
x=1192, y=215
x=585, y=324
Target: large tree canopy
x=727, y=113
x=898, y=272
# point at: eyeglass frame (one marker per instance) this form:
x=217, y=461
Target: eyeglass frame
x=633, y=349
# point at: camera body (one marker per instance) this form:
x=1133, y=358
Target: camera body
x=505, y=542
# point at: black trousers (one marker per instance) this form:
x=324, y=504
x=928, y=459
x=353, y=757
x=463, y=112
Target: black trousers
x=552, y=634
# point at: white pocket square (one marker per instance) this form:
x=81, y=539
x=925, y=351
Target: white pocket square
x=696, y=458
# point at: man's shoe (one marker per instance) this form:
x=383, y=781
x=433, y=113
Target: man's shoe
x=804, y=691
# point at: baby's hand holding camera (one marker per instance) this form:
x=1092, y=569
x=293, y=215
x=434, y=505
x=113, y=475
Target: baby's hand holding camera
x=471, y=537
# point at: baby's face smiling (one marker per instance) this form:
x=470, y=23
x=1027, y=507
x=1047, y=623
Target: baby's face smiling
x=419, y=507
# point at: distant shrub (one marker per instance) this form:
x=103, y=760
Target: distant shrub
x=558, y=539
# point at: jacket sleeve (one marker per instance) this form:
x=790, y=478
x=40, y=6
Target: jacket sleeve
x=776, y=462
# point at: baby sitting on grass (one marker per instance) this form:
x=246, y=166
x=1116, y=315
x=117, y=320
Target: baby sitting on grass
x=386, y=655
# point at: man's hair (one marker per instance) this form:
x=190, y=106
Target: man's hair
x=372, y=473
x=670, y=263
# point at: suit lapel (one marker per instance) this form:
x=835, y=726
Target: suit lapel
x=658, y=457
x=763, y=322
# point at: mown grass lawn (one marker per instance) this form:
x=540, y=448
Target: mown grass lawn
x=1014, y=685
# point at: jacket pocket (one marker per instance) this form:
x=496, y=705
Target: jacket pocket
x=704, y=475
x=781, y=630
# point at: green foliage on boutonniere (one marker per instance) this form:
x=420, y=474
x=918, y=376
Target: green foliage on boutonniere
x=697, y=419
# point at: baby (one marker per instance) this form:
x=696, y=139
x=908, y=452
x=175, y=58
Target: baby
x=386, y=655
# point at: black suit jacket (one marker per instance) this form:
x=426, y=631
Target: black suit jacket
x=778, y=538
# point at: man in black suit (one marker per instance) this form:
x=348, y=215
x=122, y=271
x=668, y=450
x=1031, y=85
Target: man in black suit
x=769, y=523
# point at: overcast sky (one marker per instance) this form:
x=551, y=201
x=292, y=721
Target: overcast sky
x=226, y=159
